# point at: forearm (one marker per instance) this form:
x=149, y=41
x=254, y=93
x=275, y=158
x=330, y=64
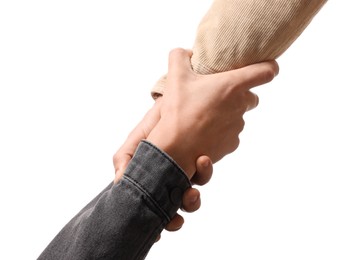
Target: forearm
x=125, y=219
x=236, y=33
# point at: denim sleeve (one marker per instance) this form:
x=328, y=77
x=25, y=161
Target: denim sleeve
x=124, y=220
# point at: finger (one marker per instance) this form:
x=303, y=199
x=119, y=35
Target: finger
x=175, y=224
x=191, y=200
x=179, y=63
x=259, y=74
x=122, y=167
x=250, y=76
x=252, y=100
x=125, y=153
x=158, y=238
x=204, y=170
x=141, y=131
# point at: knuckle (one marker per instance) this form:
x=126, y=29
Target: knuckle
x=235, y=144
x=232, y=81
x=241, y=125
x=256, y=100
x=176, y=52
x=269, y=74
x=115, y=159
x=275, y=66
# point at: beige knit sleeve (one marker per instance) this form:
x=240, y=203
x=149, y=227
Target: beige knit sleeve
x=236, y=33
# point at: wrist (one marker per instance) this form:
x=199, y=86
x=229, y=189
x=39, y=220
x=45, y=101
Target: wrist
x=173, y=147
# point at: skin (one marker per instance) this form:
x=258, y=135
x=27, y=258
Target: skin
x=191, y=198
x=203, y=114
x=207, y=109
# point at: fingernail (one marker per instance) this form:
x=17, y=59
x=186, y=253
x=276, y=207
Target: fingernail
x=178, y=227
x=194, y=199
x=206, y=163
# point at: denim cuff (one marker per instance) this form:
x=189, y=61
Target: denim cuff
x=159, y=178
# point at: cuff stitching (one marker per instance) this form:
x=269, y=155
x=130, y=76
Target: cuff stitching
x=166, y=156
x=140, y=187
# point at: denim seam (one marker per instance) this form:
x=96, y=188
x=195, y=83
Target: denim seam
x=141, y=188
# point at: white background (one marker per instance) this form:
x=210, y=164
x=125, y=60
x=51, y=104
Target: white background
x=75, y=78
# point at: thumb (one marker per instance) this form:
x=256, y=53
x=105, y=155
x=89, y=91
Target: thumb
x=179, y=63
x=251, y=76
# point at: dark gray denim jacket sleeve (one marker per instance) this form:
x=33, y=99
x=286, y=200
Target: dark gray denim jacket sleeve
x=124, y=220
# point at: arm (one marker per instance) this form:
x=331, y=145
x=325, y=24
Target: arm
x=125, y=219
x=236, y=33
x=191, y=198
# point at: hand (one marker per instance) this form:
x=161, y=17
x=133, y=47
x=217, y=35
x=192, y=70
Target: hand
x=191, y=199
x=202, y=114
x=140, y=132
